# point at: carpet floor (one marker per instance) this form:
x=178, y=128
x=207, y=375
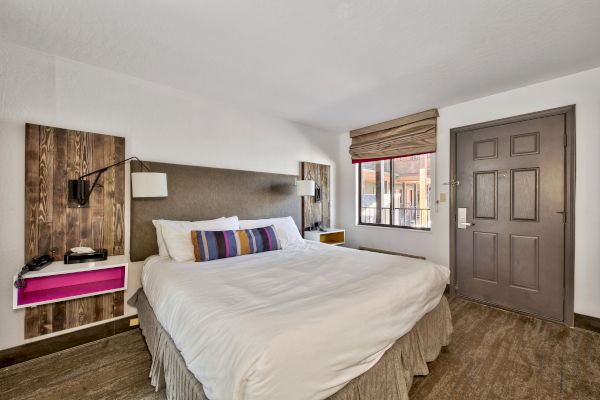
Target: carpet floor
x=494, y=354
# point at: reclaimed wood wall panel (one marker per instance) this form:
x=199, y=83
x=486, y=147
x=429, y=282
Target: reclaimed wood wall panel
x=56, y=317
x=52, y=157
x=313, y=211
x=55, y=155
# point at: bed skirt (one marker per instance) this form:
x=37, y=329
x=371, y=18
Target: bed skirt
x=390, y=378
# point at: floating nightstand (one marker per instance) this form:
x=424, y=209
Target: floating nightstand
x=60, y=281
x=335, y=237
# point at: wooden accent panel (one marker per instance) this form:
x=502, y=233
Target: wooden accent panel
x=55, y=317
x=525, y=144
x=485, y=256
x=317, y=211
x=524, y=194
x=524, y=262
x=485, y=149
x=52, y=157
x=485, y=194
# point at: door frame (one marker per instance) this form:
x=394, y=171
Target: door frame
x=569, y=262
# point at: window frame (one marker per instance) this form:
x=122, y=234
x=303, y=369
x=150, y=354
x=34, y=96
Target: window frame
x=390, y=225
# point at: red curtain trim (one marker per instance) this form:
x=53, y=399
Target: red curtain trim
x=389, y=158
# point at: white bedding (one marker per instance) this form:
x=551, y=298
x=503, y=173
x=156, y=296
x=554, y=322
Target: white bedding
x=298, y=323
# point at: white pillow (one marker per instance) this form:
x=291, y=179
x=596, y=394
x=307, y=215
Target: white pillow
x=162, y=246
x=177, y=234
x=286, y=228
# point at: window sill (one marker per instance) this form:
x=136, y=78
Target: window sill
x=394, y=228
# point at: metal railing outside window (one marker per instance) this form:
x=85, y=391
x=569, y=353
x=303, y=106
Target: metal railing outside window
x=419, y=218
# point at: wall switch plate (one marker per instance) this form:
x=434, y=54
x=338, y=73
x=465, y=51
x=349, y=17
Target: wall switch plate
x=134, y=322
x=442, y=197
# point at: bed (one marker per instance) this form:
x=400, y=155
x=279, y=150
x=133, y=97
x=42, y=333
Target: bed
x=298, y=323
x=310, y=321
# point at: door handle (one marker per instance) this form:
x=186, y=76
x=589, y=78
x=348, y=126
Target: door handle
x=461, y=218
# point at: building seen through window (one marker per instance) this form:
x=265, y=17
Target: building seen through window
x=396, y=192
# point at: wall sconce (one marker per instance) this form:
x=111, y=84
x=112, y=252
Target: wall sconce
x=143, y=184
x=148, y=184
x=308, y=188
x=305, y=188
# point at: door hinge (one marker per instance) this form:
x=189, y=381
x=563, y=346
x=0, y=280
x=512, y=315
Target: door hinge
x=566, y=140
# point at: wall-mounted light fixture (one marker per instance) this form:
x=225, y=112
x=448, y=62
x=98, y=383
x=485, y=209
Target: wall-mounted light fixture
x=308, y=188
x=143, y=184
x=305, y=188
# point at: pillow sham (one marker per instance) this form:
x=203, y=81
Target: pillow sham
x=177, y=235
x=286, y=228
x=212, y=245
x=162, y=246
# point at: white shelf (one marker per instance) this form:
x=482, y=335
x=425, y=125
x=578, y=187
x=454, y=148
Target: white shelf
x=56, y=288
x=59, y=267
x=331, y=236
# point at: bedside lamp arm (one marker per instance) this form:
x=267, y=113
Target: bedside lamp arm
x=100, y=171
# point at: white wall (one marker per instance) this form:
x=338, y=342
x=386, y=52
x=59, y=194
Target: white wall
x=582, y=89
x=159, y=124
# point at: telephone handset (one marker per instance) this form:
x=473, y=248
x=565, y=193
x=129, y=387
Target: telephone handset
x=35, y=264
x=38, y=263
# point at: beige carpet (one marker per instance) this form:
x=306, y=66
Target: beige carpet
x=497, y=354
x=494, y=354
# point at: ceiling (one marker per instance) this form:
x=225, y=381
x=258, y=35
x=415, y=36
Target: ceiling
x=334, y=64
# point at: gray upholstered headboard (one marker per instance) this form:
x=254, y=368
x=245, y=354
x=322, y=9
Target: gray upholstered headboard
x=199, y=193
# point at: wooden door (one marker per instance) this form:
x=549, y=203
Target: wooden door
x=511, y=251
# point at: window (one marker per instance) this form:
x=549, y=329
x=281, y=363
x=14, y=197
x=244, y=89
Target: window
x=396, y=192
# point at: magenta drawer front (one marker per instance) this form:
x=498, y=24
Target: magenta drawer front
x=55, y=287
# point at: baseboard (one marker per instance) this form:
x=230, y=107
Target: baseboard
x=588, y=323
x=390, y=252
x=29, y=351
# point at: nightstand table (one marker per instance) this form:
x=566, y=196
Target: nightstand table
x=334, y=237
x=60, y=281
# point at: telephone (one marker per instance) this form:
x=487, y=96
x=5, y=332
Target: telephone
x=35, y=264
x=38, y=263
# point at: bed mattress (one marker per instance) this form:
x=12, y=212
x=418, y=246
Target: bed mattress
x=299, y=323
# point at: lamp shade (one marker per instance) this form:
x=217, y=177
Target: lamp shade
x=305, y=188
x=148, y=184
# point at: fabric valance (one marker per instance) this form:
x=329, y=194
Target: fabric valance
x=406, y=136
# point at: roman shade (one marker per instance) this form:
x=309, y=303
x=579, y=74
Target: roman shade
x=401, y=137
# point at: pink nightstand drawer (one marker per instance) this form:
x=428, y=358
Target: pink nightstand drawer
x=50, y=288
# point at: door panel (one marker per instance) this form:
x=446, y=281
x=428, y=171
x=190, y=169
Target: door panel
x=524, y=262
x=484, y=190
x=485, y=149
x=525, y=144
x=524, y=194
x=485, y=256
x=512, y=182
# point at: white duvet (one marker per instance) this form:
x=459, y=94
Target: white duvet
x=298, y=323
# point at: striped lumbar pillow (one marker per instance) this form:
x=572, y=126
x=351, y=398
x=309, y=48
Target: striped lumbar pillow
x=211, y=245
